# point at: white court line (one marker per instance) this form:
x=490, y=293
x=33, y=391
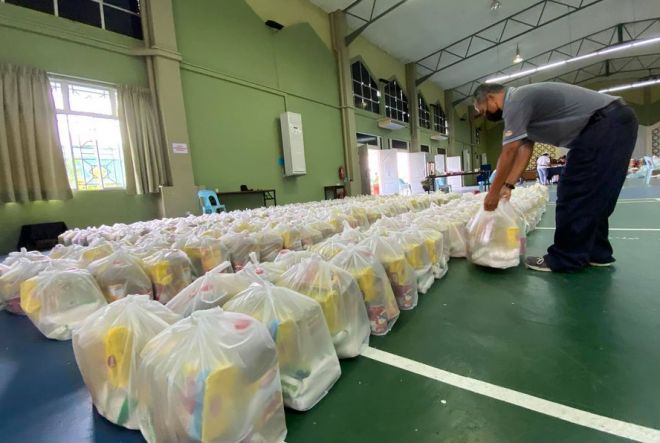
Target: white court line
x=627, y=201
x=536, y=404
x=547, y=228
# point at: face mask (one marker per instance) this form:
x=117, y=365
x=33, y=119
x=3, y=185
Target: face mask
x=494, y=116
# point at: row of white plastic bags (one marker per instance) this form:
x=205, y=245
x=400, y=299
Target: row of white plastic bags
x=312, y=312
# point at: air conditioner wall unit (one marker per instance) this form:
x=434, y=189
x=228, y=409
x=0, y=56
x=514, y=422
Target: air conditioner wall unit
x=292, y=144
x=391, y=124
x=439, y=136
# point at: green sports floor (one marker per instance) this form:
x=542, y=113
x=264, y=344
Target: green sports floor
x=487, y=356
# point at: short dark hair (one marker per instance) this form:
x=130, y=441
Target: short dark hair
x=484, y=89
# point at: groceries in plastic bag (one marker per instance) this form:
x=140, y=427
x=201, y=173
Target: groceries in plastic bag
x=73, y=252
x=11, y=279
x=240, y=246
x=96, y=252
x=417, y=254
x=205, y=253
x=107, y=347
x=457, y=237
x=308, y=363
x=120, y=274
x=56, y=301
x=270, y=244
x=289, y=258
x=212, y=377
x=213, y=289
x=329, y=248
x=24, y=254
x=351, y=235
x=340, y=298
x=434, y=242
x=401, y=275
x=310, y=236
x=269, y=271
x=494, y=237
x=291, y=237
x=377, y=293
x=170, y=271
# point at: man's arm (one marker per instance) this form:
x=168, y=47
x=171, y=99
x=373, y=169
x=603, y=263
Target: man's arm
x=522, y=160
x=505, y=168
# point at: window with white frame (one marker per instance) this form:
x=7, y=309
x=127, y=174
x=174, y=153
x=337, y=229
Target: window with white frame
x=90, y=136
x=439, y=119
x=424, y=113
x=396, y=102
x=121, y=16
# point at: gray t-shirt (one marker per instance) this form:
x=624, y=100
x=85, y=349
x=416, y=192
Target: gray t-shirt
x=553, y=113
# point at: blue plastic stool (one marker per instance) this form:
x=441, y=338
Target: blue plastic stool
x=209, y=201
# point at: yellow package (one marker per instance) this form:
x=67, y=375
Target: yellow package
x=29, y=302
x=117, y=345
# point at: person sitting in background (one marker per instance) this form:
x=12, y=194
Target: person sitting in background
x=542, y=165
x=562, y=160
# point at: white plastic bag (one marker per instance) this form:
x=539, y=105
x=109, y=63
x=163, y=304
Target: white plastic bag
x=434, y=243
x=11, y=279
x=308, y=363
x=170, y=271
x=120, y=274
x=205, y=253
x=57, y=301
x=329, y=248
x=213, y=289
x=401, y=275
x=270, y=244
x=377, y=293
x=107, y=348
x=494, y=237
x=24, y=254
x=240, y=247
x=340, y=298
x=212, y=377
x=417, y=255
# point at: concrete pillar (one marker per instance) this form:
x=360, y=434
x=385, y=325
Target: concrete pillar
x=338, y=30
x=413, y=98
x=163, y=63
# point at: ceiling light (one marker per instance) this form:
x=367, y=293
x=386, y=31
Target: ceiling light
x=632, y=85
x=495, y=5
x=570, y=60
x=518, y=58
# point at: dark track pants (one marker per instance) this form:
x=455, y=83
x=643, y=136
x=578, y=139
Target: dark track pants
x=588, y=190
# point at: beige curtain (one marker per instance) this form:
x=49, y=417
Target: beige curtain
x=31, y=160
x=144, y=148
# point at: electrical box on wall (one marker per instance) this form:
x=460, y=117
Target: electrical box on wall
x=292, y=144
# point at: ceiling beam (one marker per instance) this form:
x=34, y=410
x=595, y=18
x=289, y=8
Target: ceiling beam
x=372, y=19
x=603, y=39
x=648, y=64
x=509, y=28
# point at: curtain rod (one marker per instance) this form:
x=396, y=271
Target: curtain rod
x=84, y=79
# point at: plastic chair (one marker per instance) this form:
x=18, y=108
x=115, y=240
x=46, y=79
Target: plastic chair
x=650, y=169
x=441, y=184
x=209, y=201
x=404, y=187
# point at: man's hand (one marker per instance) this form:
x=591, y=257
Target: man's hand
x=491, y=201
x=505, y=193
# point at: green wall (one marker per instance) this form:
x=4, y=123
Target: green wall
x=235, y=94
x=65, y=47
